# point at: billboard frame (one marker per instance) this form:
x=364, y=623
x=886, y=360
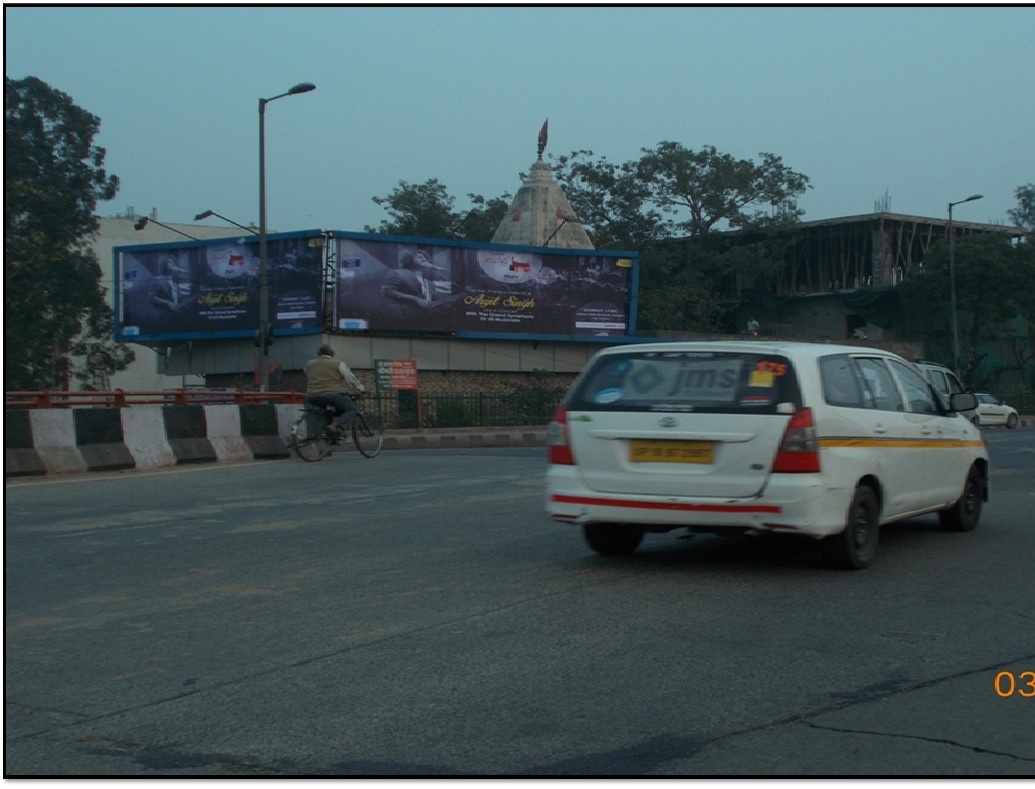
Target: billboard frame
x=631, y=305
x=160, y=339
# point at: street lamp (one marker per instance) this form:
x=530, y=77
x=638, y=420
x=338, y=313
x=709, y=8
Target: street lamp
x=142, y=222
x=568, y=218
x=264, y=308
x=952, y=285
x=210, y=212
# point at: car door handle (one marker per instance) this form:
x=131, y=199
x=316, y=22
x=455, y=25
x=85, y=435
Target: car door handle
x=926, y=431
x=880, y=429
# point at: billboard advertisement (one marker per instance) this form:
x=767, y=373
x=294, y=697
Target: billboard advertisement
x=210, y=289
x=389, y=283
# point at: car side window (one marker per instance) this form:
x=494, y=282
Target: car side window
x=954, y=384
x=880, y=384
x=937, y=378
x=918, y=393
x=841, y=384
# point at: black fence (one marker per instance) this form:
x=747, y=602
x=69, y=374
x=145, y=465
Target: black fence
x=398, y=409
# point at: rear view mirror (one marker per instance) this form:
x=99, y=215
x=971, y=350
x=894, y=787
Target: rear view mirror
x=962, y=401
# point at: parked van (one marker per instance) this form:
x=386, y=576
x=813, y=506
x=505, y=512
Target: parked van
x=747, y=437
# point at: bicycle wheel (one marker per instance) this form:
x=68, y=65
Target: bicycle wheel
x=309, y=449
x=369, y=434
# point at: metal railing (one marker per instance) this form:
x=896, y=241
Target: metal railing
x=479, y=409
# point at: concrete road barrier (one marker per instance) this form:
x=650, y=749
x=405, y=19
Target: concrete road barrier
x=38, y=442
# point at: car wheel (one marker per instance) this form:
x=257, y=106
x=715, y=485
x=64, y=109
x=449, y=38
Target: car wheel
x=855, y=547
x=1011, y=421
x=964, y=514
x=976, y=420
x=612, y=539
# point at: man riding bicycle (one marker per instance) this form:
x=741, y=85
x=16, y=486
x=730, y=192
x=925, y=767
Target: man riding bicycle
x=326, y=381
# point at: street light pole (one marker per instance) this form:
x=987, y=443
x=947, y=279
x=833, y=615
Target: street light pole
x=264, y=295
x=952, y=285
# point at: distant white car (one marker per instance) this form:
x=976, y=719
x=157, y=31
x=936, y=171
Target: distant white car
x=993, y=411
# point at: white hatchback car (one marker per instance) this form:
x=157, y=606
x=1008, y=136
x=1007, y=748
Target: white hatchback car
x=993, y=411
x=747, y=437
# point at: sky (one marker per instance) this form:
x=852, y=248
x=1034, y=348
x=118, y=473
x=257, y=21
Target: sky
x=921, y=106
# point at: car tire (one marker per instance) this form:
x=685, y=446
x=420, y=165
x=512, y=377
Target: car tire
x=855, y=547
x=612, y=539
x=965, y=513
x=1011, y=421
x=976, y=420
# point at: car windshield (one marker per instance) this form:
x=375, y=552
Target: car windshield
x=698, y=381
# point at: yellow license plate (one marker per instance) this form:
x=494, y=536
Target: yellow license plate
x=664, y=451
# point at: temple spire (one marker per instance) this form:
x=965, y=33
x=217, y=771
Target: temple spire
x=540, y=214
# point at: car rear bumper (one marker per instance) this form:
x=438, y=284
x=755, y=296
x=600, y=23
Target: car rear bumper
x=791, y=503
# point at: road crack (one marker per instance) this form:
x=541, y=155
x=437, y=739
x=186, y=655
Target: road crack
x=935, y=740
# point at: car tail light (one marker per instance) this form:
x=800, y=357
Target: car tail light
x=558, y=441
x=799, y=449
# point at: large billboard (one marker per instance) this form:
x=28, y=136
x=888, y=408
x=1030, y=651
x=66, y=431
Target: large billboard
x=490, y=290
x=210, y=289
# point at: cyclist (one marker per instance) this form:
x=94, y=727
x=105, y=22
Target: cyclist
x=326, y=381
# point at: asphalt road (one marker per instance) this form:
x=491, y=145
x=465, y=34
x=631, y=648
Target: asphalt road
x=416, y=614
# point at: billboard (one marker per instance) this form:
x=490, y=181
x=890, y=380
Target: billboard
x=389, y=283
x=210, y=289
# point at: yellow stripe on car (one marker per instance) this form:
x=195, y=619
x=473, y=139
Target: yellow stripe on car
x=911, y=443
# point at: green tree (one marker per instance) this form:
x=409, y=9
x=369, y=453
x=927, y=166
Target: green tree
x=677, y=291
x=995, y=302
x=54, y=305
x=417, y=210
x=713, y=187
x=611, y=201
x=427, y=210
x=481, y=221
x=1024, y=214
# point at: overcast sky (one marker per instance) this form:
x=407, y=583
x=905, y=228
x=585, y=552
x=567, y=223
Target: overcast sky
x=926, y=104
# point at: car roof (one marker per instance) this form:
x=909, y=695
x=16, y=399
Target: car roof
x=798, y=350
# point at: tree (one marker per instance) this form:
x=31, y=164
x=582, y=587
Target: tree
x=427, y=210
x=417, y=210
x=610, y=200
x=54, y=305
x=714, y=187
x=1024, y=214
x=995, y=302
x=481, y=221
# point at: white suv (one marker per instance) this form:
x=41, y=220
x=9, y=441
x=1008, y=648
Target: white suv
x=747, y=437
x=945, y=383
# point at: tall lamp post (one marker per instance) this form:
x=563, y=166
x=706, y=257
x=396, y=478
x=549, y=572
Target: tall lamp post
x=952, y=285
x=264, y=285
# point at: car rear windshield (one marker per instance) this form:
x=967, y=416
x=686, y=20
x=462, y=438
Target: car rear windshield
x=698, y=381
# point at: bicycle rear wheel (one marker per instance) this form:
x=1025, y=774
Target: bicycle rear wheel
x=369, y=434
x=309, y=449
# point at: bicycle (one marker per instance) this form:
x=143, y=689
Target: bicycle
x=313, y=434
